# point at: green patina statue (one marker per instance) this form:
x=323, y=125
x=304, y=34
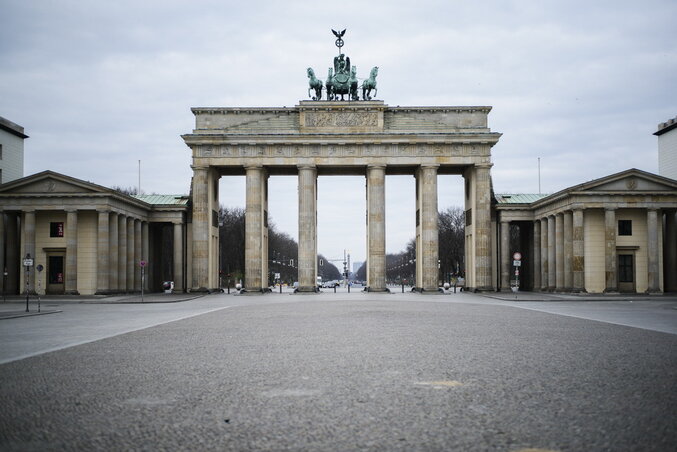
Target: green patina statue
x=342, y=78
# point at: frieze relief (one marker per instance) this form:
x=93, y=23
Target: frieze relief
x=338, y=151
x=341, y=119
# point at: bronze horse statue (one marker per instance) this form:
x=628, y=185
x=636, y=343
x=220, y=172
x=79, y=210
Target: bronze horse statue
x=314, y=84
x=370, y=84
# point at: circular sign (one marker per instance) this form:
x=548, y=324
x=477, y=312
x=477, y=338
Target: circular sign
x=142, y=263
x=517, y=256
x=39, y=268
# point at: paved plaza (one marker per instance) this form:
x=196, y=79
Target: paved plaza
x=339, y=371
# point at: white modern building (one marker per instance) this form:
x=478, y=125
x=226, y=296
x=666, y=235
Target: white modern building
x=12, y=138
x=667, y=148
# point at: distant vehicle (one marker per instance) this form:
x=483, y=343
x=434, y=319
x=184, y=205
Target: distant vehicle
x=331, y=284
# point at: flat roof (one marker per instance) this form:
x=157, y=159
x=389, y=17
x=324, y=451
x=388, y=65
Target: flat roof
x=13, y=128
x=666, y=126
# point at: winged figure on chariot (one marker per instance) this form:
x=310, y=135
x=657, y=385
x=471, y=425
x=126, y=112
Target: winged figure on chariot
x=341, y=78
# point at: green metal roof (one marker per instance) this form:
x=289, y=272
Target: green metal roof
x=178, y=200
x=519, y=198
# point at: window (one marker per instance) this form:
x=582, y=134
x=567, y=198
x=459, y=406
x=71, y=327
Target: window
x=624, y=227
x=625, y=271
x=56, y=229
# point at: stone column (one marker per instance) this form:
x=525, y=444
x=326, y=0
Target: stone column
x=254, y=279
x=552, y=254
x=652, y=250
x=178, y=257
x=482, y=227
x=130, y=254
x=3, y=240
x=12, y=252
x=537, y=255
x=71, y=286
x=670, y=252
x=200, y=228
x=610, y=257
x=559, y=252
x=307, y=228
x=103, y=253
x=427, y=249
x=146, y=252
x=137, y=255
x=122, y=253
x=578, y=249
x=29, y=247
x=114, y=252
x=505, y=255
x=376, y=229
x=568, y=251
x=545, y=278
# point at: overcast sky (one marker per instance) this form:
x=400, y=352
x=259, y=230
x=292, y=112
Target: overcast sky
x=99, y=85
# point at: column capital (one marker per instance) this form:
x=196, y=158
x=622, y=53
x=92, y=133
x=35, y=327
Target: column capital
x=306, y=166
x=102, y=210
x=429, y=165
x=610, y=208
x=483, y=165
x=377, y=166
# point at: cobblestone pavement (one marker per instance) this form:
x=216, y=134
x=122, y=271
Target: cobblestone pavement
x=339, y=372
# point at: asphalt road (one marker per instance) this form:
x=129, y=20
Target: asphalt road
x=344, y=372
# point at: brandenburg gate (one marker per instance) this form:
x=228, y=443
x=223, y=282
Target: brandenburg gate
x=317, y=138
x=341, y=136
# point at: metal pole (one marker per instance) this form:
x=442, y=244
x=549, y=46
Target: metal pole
x=143, y=277
x=27, y=275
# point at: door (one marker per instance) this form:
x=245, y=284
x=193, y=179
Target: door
x=55, y=273
x=626, y=273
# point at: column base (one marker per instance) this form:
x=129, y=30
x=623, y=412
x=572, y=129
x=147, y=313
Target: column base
x=307, y=290
x=576, y=290
x=199, y=290
x=71, y=292
x=611, y=292
x=371, y=289
x=654, y=292
x=483, y=289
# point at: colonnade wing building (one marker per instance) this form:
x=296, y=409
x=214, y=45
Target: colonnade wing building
x=613, y=234
x=89, y=239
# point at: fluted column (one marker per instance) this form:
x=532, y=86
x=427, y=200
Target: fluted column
x=568, y=251
x=505, y=255
x=537, y=255
x=610, y=256
x=482, y=227
x=559, y=252
x=103, y=253
x=146, y=252
x=178, y=257
x=552, y=254
x=545, y=265
x=113, y=238
x=130, y=254
x=200, y=229
x=652, y=250
x=427, y=248
x=670, y=253
x=578, y=258
x=71, y=287
x=12, y=252
x=376, y=229
x=3, y=240
x=137, y=255
x=29, y=247
x=307, y=228
x=122, y=253
x=255, y=248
